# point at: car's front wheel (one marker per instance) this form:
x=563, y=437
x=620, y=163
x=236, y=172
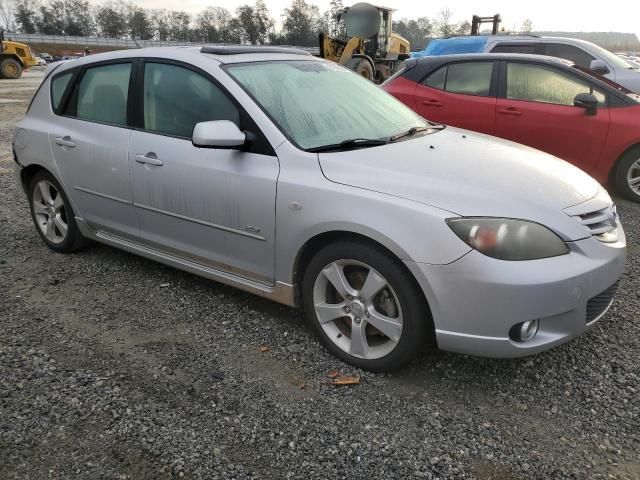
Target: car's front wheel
x=627, y=175
x=364, y=306
x=52, y=214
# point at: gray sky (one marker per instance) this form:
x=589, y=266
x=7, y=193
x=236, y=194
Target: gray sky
x=564, y=15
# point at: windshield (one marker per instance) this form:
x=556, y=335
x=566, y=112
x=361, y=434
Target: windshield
x=317, y=103
x=610, y=58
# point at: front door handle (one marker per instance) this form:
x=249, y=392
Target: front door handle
x=149, y=159
x=510, y=111
x=65, y=141
x=432, y=103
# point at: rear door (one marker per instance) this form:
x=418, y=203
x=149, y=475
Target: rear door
x=536, y=108
x=212, y=206
x=460, y=94
x=90, y=142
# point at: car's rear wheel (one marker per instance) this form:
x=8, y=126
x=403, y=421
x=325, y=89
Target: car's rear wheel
x=627, y=175
x=364, y=306
x=52, y=214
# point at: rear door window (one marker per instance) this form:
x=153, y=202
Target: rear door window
x=58, y=86
x=102, y=94
x=530, y=48
x=467, y=78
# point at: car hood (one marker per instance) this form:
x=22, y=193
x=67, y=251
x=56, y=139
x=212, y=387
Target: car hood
x=470, y=174
x=629, y=79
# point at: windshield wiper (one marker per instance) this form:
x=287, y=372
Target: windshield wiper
x=414, y=130
x=350, y=144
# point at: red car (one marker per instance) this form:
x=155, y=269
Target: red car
x=544, y=102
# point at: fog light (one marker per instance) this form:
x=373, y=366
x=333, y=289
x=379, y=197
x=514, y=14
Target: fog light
x=525, y=331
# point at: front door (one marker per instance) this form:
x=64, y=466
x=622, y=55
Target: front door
x=215, y=207
x=537, y=110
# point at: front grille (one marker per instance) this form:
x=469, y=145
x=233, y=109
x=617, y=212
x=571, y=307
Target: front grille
x=600, y=303
x=602, y=224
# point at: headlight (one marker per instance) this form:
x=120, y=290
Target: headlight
x=508, y=239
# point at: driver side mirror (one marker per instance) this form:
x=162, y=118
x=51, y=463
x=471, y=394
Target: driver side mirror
x=587, y=101
x=218, y=134
x=599, y=66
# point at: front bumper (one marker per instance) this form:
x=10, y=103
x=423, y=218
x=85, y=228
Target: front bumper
x=476, y=299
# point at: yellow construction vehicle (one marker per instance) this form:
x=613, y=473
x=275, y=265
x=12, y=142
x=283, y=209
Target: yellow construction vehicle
x=14, y=58
x=370, y=48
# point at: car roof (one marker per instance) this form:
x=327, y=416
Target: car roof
x=460, y=57
x=218, y=53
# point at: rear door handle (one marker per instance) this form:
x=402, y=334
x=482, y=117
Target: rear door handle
x=149, y=159
x=432, y=103
x=510, y=111
x=65, y=141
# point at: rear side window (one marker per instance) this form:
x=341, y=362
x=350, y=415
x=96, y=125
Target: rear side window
x=176, y=98
x=58, y=86
x=472, y=78
x=569, y=52
x=516, y=48
x=536, y=83
x=469, y=78
x=102, y=94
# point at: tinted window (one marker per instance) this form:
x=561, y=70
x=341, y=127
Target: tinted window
x=58, y=86
x=472, y=78
x=436, y=79
x=569, y=52
x=515, y=48
x=102, y=94
x=543, y=84
x=176, y=98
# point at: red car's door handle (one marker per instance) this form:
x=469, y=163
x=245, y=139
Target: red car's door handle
x=432, y=103
x=510, y=111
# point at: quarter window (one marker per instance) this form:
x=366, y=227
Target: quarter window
x=58, y=86
x=103, y=92
x=469, y=78
x=536, y=83
x=176, y=98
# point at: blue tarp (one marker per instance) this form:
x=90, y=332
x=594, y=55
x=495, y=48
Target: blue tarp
x=450, y=46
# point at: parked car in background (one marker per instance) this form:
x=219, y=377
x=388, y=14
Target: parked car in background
x=47, y=58
x=585, y=54
x=296, y=179
x=41, y=61
x=543, y=102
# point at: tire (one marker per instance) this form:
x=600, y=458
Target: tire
x=10, y=68
x=627, y=175
x=50, y=212
x=362, y=67
x=396, y=300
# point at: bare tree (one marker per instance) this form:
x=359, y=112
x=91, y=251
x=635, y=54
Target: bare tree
x=444, y=24
x=527, y=26
x=7, y=14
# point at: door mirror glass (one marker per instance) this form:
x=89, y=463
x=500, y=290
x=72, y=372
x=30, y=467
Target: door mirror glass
x=587, y=101
x=599, y=66
x=218, y=134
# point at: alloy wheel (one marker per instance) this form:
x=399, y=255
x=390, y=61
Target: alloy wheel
x=50, y=212
x=358, y=309
x=633, y=177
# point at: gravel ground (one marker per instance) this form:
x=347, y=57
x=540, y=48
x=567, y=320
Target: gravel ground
x=108, y=372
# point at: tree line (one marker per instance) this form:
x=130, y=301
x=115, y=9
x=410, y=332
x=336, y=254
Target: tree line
x=249, y=23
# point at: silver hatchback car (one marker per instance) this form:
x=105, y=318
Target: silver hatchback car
x=293, y=178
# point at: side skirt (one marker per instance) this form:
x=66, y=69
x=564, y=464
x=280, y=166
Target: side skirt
x=282, y=292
